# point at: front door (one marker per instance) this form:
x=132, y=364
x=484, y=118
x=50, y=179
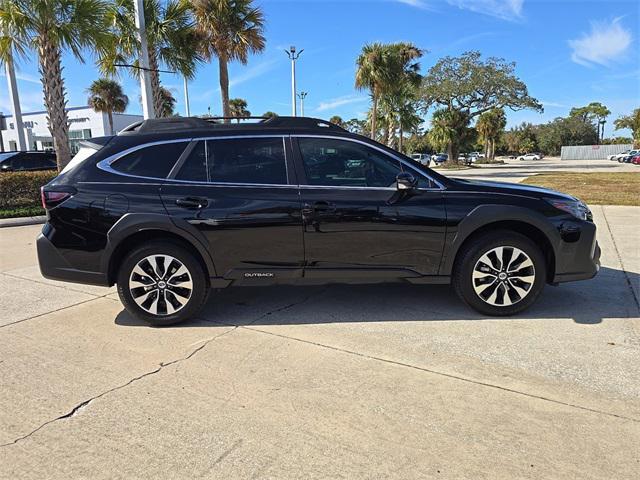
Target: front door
x=354, y=219
x=240, y=193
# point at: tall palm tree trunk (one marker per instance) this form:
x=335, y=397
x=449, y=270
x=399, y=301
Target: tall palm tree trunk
x=110, y=116
x=54, y=99
x=224, y=87
x=156, y=93
x=374, y=116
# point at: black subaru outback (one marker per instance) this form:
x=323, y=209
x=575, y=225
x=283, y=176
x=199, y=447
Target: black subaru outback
x=170, y=208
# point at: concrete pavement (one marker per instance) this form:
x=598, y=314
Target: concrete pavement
x=380, y=381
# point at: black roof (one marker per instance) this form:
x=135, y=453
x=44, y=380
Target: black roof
x=182, y=124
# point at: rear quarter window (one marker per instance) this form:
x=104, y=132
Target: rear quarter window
x=155, y=161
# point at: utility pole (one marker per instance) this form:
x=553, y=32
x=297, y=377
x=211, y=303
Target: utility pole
x=145, y=74
x=15, y=103
x=186, y=97
x=302, y=96
x=293, y=56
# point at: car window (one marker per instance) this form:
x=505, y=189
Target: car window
x=247, y=160
x=194, y=167
x=334, y=162
x=237, y=160
x=154, y=161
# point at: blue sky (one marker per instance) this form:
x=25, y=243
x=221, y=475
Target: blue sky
x=569, y=53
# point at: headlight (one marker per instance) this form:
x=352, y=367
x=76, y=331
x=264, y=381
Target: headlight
x=577, y=208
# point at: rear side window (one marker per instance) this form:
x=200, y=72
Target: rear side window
x=237, y=160
x=154, y=161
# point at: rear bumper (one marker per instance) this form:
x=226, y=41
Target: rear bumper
x=54, y=266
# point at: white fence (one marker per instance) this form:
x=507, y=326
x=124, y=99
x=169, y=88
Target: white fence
x=592, y=152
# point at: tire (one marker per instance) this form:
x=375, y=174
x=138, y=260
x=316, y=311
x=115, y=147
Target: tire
x=494, y=291
x=180, y=293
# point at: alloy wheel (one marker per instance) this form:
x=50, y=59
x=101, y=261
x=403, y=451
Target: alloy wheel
x=503, y=276
x=160, y=284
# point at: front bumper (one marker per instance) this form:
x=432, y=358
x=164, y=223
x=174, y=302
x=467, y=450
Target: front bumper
x=54, y=266
x=579, y=259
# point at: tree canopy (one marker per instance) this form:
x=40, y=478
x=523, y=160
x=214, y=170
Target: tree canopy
x=473, y=85
x=632, y=122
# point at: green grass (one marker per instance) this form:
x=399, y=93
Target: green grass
x=31, y=211
x=593, y=188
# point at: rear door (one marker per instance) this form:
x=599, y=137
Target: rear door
x=242, y=194
x=353, y=219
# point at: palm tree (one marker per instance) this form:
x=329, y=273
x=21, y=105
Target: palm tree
x=50, y=27
x=448, y=129
x=171, y=38
x=490, y=125
x=229, y=30
x=372, y=75
x=384, y=69
x=167, y=103
x=337, y=120
x=107, y=96
x=238, y=108
x=269, y=114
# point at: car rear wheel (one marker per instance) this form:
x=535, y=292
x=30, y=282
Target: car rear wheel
x=162, y=283
x=500, y=273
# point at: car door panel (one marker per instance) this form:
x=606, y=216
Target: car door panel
x=373, y=228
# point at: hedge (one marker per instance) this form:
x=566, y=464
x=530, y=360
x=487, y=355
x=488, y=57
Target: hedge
x=20, y=192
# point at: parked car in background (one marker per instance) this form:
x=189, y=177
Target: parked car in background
x=295, y=199
x=27, y=161
x=635, y=160
x=530, y=156
x=439, y=158
x=615, y=156
x=628, y=156
x=423, y=158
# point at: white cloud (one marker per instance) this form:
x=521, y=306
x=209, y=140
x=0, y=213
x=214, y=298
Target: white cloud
x=25, y=77
x=415, y=3
x=504, y=9
x=606, y=42
x=339, y=101
x=548, y=104
x=253, y=72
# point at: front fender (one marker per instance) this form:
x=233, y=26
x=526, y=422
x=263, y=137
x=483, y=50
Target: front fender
x=484, y=215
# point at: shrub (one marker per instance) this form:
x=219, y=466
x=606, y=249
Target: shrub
x=21, y=190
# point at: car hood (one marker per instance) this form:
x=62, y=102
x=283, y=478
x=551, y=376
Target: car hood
x=509, y=189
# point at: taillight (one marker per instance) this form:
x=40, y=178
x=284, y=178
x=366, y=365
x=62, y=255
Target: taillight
x=51, y=198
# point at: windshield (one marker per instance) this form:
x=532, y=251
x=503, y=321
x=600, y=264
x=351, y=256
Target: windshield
x=4, y=156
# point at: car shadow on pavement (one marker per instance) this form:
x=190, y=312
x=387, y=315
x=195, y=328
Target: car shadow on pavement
x=608, y=295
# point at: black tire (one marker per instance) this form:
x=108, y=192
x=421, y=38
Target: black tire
x=468, y=260
x=168, y=294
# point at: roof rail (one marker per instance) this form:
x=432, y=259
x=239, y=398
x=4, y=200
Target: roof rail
x=207, y=123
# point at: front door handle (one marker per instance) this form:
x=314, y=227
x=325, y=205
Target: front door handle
x=192, y=203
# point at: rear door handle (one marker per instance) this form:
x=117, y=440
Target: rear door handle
x=192, y=203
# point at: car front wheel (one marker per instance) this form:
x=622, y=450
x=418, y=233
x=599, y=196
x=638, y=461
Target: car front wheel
x=162, y=283
x=500, y=273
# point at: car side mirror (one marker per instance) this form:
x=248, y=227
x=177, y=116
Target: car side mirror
x=406, y=181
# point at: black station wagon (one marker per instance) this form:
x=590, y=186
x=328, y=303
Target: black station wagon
x=170, y=208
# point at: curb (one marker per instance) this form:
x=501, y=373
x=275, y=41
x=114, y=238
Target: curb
x=22, y=221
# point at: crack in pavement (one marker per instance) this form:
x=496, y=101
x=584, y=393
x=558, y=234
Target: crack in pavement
x=65, y=287
x=615, y=247
x=85, y=403
x=443, y=374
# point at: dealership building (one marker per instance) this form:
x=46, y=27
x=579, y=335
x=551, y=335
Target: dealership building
x=84, y=123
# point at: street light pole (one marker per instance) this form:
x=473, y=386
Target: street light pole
x=145, y=74
x=15, y=103
x=302, y=96
x=186, y=97
x=293, y=56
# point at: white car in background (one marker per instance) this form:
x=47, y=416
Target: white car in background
x=617, y=156
x=530, y=156
x=422, y=158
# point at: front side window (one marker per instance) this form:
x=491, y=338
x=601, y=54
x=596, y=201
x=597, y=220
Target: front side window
x=333, y=162
x=154, y=161
x=237, y=160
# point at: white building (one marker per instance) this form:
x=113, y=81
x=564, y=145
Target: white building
x=84, y=122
